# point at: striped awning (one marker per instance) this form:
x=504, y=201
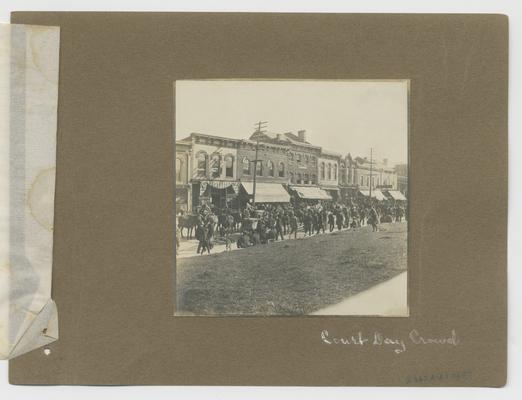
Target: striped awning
x=396, y=195
x=267, y=192
x=311, y=193
x=376, y=194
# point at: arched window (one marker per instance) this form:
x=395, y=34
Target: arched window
x=329, y=171
x=306, y=178
x=292, y=180
x=306, y=158
x=246, y=166
x=335, y=172
x=291, y=156
x=259, y=168
x=215, y=165
x=281, y=169
x=179, y=164
x=229, y=166
x=299, y=178
x=202, y=164
x=314, y=179
x=270, y=166
x=298, y=158
x=322, y=170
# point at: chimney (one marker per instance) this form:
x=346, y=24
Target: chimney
x=279, y=136
x=301, y=135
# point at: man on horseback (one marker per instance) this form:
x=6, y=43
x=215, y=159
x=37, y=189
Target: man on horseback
x=373, y=219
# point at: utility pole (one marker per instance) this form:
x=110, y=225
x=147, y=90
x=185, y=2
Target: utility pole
x=260, y=128
x=371, y=168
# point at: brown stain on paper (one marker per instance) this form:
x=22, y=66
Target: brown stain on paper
x=40, y=198
x=41, y=51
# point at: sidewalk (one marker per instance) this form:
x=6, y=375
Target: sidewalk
x=188, y=247
x=385, y=299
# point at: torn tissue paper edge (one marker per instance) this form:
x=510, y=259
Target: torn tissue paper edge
x=28, y=115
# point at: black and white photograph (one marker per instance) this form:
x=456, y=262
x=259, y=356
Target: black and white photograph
x=291, y=197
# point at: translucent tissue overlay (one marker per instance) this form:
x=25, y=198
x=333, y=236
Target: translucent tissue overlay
x=28, y=113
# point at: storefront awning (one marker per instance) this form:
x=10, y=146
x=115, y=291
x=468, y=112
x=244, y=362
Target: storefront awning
x=311, y=193
x=376, y=194
x=331, y=189
x=396, y=195
x=267, y=192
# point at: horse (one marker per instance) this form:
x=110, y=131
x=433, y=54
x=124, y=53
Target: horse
x=373, y=220
x=188, y=221
x=238, y=218
x=226, y=223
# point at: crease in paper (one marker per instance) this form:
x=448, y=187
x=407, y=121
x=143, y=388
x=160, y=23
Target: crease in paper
x=28, y=117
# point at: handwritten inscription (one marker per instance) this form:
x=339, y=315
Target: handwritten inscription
x=397, y=344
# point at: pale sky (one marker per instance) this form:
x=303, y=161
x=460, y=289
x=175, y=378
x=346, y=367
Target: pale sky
x=341, y=116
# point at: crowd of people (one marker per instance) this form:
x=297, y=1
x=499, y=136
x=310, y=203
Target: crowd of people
x=263, y=223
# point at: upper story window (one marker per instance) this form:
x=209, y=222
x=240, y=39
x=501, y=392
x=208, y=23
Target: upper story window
x=179, y=166
x=313, y=179
x=329, y=171
x=246, y=166
x=259, y=168
x=292, y=179
x=281, y=170
x=229, y=166
x=215, y=165
x=202, y=164
x=270, y=166
x=322, y=170
x=335, y=172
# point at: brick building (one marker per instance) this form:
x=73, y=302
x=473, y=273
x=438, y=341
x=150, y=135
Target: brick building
x=328, y=172
x=212, y=172
x=220, y=171
x=285, y=158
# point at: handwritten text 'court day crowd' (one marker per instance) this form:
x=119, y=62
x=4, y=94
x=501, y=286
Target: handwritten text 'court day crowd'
x=397, y=344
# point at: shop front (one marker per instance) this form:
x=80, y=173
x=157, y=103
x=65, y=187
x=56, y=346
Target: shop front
x=310, y=194
x=395, y=195
x=182, y=198
x=374, y=194
x=333, y=192
x=266, y=192
x=219, y=194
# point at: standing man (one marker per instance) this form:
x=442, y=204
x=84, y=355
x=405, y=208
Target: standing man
x=293, y=225
x=307, y=222
x=339, y=219
x=331, y=220
x=211, y=231
x=279, y=227
x=284, y=220
x=323, y=219
x=373, y=219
